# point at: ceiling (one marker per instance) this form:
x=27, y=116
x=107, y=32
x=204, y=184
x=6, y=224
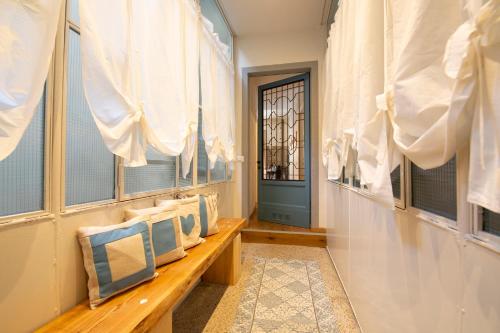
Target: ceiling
x=258, y=17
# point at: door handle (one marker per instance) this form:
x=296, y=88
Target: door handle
x=258, y=165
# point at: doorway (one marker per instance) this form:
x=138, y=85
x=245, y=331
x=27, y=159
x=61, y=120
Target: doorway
x=284, y=177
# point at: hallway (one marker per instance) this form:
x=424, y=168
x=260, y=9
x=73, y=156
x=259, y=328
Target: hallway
x=212, y=308
x=250, y=166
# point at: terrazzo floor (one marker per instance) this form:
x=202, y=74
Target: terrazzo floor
x=211, y=308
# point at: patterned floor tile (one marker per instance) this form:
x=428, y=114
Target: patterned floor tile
x=291, y=297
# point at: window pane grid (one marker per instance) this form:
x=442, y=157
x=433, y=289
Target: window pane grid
x=90, y=166
x=159, y=174
x=188, y=181
x=435, y=190
x=202, y=153
x=218, y=173
x=22, y=172
x=396, y=182
x=491, y=222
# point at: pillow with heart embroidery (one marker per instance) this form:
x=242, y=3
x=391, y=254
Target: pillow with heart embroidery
x=189, y=215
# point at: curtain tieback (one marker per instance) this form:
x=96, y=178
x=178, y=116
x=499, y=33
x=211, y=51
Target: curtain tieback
x=463, y=59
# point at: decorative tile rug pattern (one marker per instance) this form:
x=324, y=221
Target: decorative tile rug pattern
x=285, y=296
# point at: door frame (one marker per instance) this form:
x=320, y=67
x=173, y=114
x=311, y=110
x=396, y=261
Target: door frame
x=290, y=68
x=307, y=138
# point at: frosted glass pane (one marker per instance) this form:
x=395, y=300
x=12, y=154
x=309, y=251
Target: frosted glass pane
x=74, y=14
x=218, y=173
x=22, y=172
x=202, y=154
x=491, y=222
x=211, y=11
x=435, y=190
x=230, y=170
x=188, y=181
x=159, y=174
x=396, y=182
x=90, y=166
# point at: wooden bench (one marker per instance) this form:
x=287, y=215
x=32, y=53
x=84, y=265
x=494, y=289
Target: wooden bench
x=148, y=307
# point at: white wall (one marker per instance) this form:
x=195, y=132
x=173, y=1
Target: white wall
x=403, y=274
x=278, y=49
x=42, y=271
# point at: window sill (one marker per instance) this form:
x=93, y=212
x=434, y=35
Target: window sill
x=27, y=219
x=218, y=182
x=76, y=209
x=490, y=245
x=433, y=219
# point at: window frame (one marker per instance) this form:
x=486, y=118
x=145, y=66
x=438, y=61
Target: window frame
x=48, y=156
x=477, y=229
x=401, y=202
x=70, y=25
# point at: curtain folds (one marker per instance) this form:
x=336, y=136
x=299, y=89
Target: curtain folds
x=27, y=37
x=435, y=66
x=448, y=96
x=217, y=102
x=140, y=72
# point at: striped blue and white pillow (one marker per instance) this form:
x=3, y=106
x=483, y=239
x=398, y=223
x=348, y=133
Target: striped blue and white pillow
x=166, y=232
x=116, y=258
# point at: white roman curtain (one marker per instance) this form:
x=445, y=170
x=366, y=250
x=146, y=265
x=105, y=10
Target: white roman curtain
x=140, y=72
x=373, y=131
x=217, y=89
x=339, y=112
x=449, y=95
x=328, y=134
x=27, y=37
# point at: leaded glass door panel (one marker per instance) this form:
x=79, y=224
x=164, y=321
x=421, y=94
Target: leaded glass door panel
x=284, y=163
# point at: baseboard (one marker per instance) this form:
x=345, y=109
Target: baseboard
x=345, y=289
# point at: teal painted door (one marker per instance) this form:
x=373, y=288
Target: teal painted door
x=284, y=152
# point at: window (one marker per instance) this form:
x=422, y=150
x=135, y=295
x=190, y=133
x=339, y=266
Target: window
x=210, y=10
x=491, y=222
x=159, y=174
x=356, y=172
x=202, y=154
x=188, y=181
x=22, y=173
x=345, y=180
x=396, y=182
x=435, y=190
x=230, y=171
x=90, y=166
x=218, y=173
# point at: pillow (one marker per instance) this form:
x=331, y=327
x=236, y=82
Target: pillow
x=166, y=232
x=208, y=215
x=116, y=258
x=131, y=213
x=189, y=215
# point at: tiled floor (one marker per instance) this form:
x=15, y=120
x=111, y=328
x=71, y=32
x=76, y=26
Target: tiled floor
x=212, y=308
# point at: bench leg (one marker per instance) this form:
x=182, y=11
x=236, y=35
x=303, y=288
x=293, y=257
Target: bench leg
x=227, y=268
x=164, y=325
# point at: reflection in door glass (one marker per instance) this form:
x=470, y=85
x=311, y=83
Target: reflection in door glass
x=283, y=132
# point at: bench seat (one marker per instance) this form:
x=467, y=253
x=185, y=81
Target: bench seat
x=149, y=305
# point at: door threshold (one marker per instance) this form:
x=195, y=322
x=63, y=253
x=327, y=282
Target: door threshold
x=312, y=239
